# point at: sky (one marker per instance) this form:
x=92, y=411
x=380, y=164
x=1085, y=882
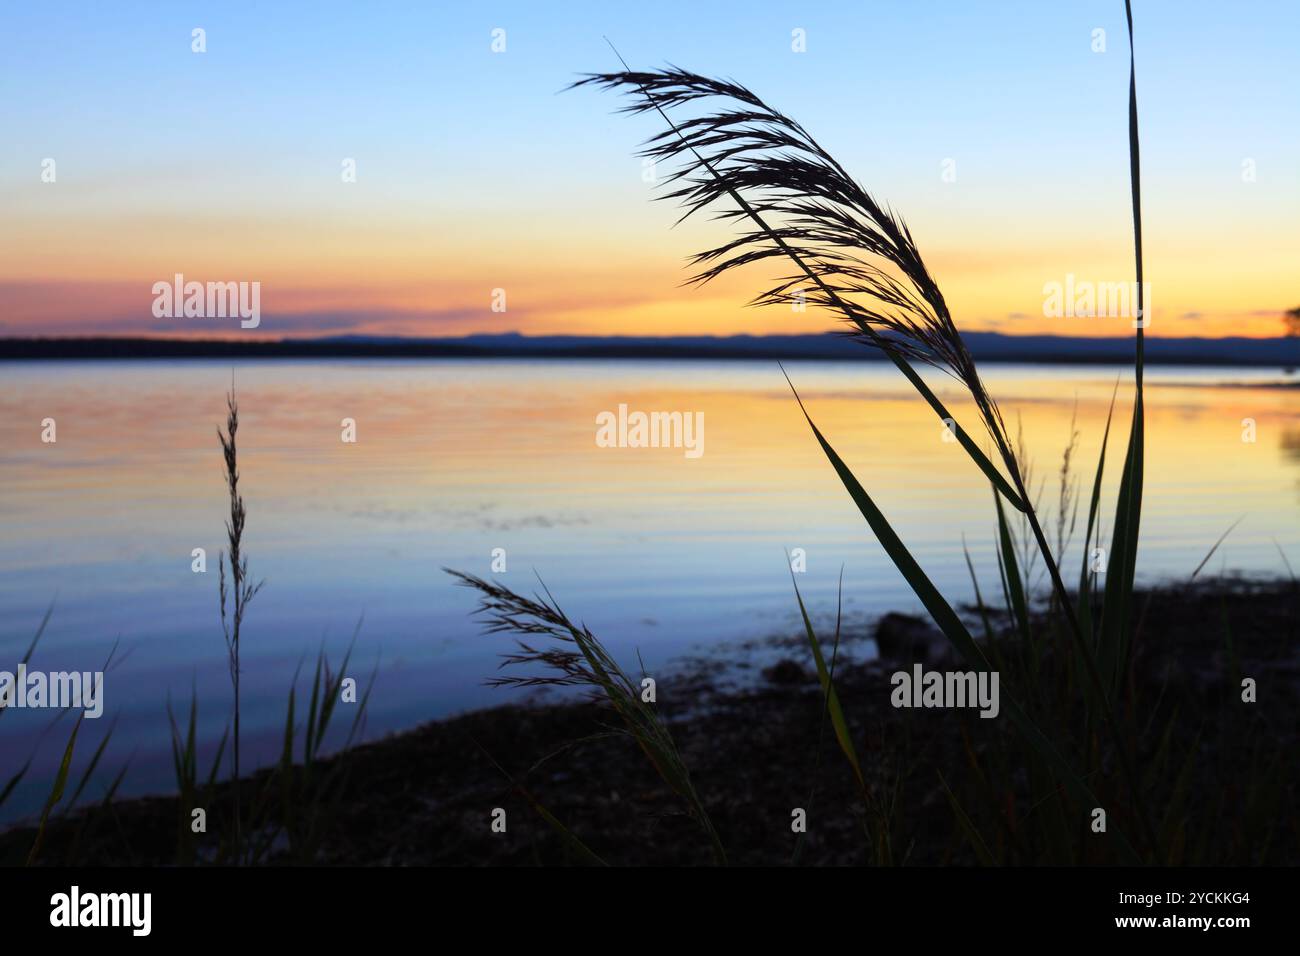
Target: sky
x=475, y=172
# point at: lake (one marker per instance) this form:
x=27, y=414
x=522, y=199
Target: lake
x=655, y=550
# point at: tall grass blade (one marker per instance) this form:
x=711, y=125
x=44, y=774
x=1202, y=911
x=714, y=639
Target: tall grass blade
x=951, y=624
x=1285, y=562
x=56, y=792
x=90, y=768
x=1209, y=554
x=36, y=639
x=14, y=781
x=1117, y=617
x=1094, y=503
x=584, y=852
x=1015, y=583
x=979, y=596
x=821, y=725
x=833, y=709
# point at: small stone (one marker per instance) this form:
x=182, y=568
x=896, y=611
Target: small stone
x=786, y=673
x=906, y=637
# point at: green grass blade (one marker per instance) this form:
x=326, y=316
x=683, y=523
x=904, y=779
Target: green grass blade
x=312, y=711
x=40, y=630
x=362, y=704
x=979, y=596
x=1094, y=504
x=1285, y=561
x=14, y=781
x=939, y=609
x=216, y=760
x=836, y=713
x=1223, y=537
x=1117, y=596
x=973, y=450
x=191, y=738
x=111, y=790
x=286, y=763
x=286, y=750
x=584, y=852
x=1015, y=584
x=36, y=639
x=951, y=625
x=90, y=768
x=56, y=793
x=176, y=746
x=1117, y=624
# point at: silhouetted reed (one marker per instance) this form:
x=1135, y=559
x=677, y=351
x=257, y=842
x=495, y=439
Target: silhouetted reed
x=242, y=592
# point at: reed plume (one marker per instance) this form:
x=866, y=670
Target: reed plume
x=242, y=591
x=579, y=659
x=792, y=200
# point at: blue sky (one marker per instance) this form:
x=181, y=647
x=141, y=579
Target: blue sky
x=473, y=163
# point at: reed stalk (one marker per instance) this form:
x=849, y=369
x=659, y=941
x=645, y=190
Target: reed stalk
x=856, y=257
x=242, y=592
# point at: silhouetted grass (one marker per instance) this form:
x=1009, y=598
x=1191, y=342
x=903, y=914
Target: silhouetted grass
x=1067, y=670
x=588, y=665
x=242, y=591
x=290, y=806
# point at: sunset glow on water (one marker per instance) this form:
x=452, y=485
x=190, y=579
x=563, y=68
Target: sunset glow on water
x=655, y=551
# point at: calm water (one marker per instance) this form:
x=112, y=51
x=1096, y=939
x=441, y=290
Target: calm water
x=652, y=549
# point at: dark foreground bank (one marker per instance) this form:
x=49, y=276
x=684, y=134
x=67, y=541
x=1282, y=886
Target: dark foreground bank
x=1220, y=771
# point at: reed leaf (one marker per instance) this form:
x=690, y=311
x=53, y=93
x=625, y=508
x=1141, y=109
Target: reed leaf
x=36, y=639
x=1215, y=547
x=570, y=839
x=56, y=792
x=979, y=596
x=833, y=708
x=14, y=781
x=859, y=257
x=1085, y=571
x=951, y=625
x=1015, y=583
x=1122, y=569
x=90, y=768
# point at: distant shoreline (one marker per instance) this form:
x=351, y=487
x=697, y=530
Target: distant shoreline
x=985, y=346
